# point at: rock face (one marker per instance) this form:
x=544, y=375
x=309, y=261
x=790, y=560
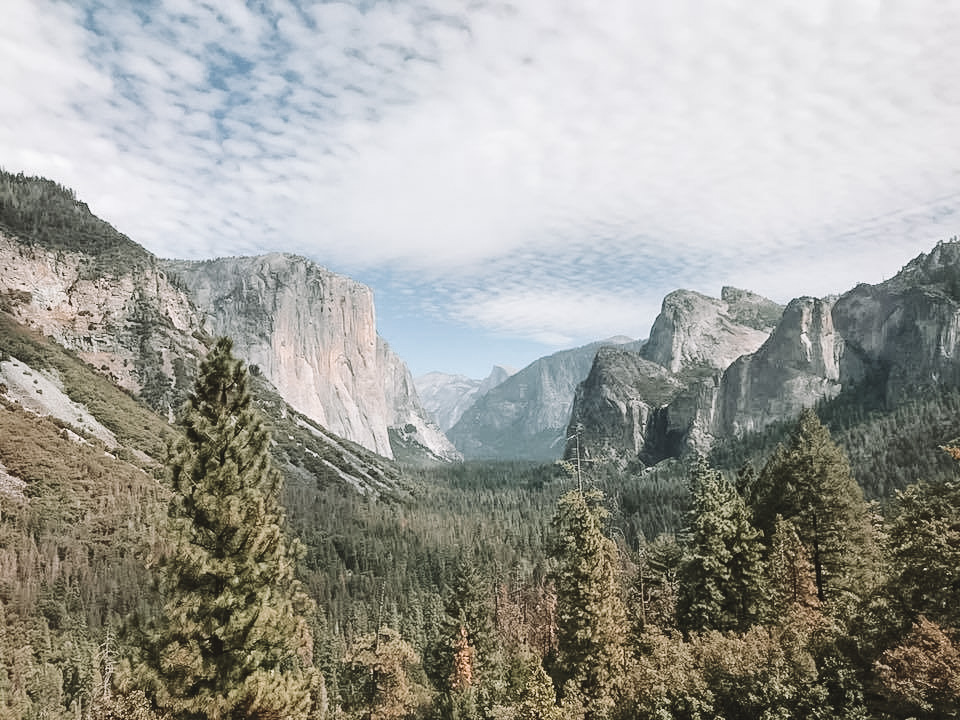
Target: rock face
x=663, y=399
x=620, y=406
x=895, y=337
x=906, y=330
x=409, y=422
x=693, y=330
x=130, y=322
x=446, y=397
x=146, y=322
x=312, y=333
x=796, y=367
x=526, y=416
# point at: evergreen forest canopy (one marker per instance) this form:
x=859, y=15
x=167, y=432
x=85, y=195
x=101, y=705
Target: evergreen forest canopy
x=487, y=590
x=200, y=570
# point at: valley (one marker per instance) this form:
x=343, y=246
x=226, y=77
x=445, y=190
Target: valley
x=463, y=523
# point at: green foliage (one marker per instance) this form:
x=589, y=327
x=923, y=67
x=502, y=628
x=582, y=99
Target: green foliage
x=923, y=539
x=809, y=483
x=42, y=212
x=591, y=618
x=233, y=638
x=921, y=676
x=380, y=678
x=721, y=576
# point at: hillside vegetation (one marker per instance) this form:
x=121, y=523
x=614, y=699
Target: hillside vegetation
x=761, y=582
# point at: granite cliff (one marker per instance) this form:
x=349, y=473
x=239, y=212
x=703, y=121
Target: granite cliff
x=146, y=322
x=656, y=402
x=312, y=333
x=891, y=340
x=526, y=416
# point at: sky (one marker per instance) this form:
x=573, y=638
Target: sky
x=511, y=179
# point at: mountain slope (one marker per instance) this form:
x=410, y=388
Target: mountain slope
x=526, y=416
x=446, y=397
x=144, y=321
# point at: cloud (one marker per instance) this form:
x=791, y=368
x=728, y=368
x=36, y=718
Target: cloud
x=556, y=318
x=500, y=153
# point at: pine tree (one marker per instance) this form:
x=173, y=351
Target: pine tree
x=233, y=641
x=722, y=576
x=591, y=619
x=809, y=483
x=793, y=592
x=378, y=678
x=459, y=658
x=924, y=547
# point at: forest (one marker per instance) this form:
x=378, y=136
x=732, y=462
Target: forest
x=763, y=581
x=218, y=566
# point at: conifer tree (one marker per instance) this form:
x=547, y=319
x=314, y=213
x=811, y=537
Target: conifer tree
x=809, y=483
x=924, y=546
x=458, y=659
x=378, y=678
x=721, y=578
x=591, y=618
x=793, y=592
x=233, y=641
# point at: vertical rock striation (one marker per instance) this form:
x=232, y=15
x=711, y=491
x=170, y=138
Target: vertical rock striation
x=312, y=333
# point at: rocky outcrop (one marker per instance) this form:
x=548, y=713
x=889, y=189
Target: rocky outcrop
x=446, y=397
x=693, y=330
x=668, y=394
x=907, y=329
x=312, y=333
x=894, y=338
x=619, y=410
x=409, y=422
x=796, y=367
x=128, y=320
x=526, y=416
x=897, y=337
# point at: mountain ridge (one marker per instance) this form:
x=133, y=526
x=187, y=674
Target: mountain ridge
x=133, y=317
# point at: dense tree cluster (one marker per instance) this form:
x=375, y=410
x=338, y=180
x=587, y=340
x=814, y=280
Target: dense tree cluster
x=479, y=591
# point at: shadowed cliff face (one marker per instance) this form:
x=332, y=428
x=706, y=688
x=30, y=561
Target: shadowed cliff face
x=312, y=333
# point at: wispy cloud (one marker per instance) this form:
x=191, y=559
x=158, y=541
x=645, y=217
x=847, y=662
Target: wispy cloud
x=518, y=162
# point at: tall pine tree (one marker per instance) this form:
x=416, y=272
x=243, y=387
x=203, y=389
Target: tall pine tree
x=233, y=642
x=808, y=482
x=721, y=577
x=591, y=617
